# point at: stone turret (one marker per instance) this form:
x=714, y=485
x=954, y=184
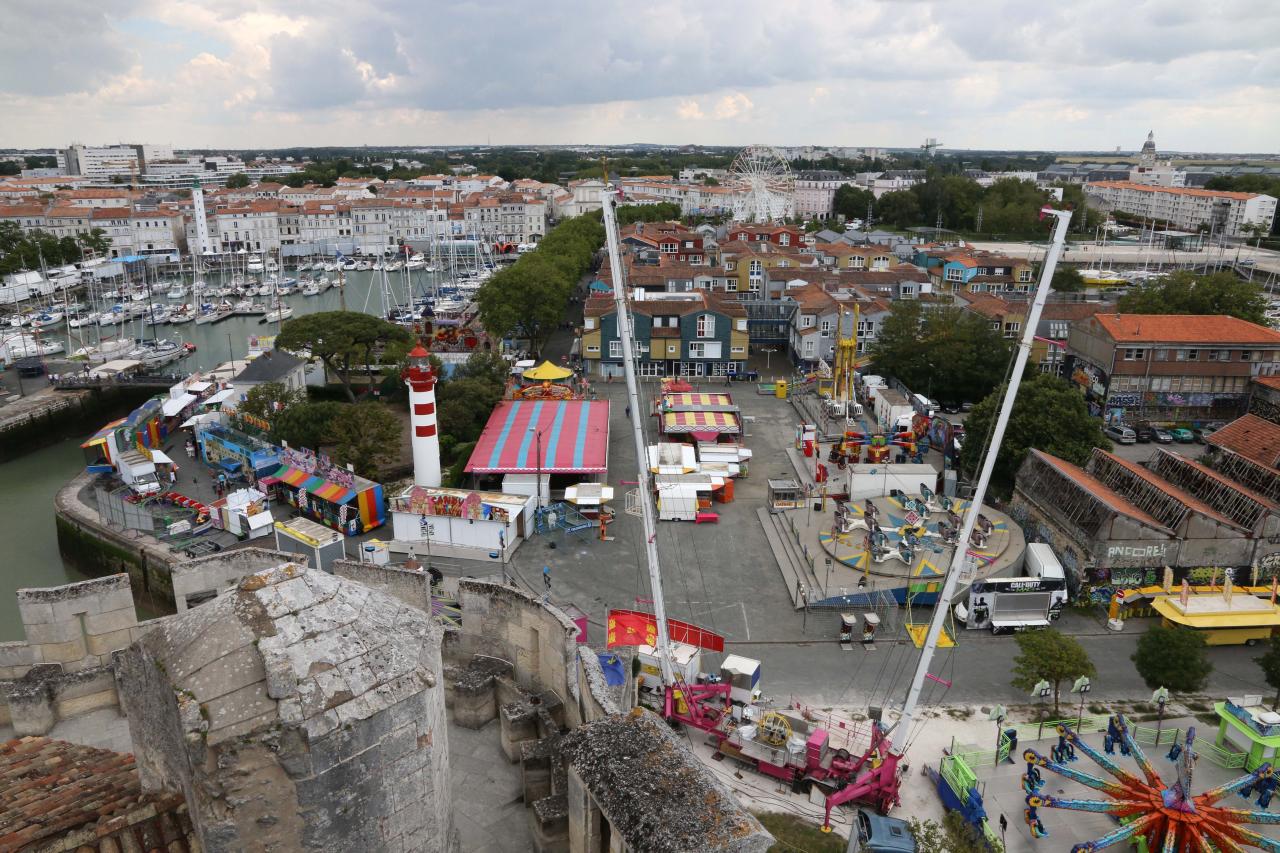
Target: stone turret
x=300, y=711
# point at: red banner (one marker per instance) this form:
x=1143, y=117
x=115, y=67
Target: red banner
x=635, y=627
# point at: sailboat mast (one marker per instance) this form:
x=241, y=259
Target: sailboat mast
x=637, y=430
x=902, y=731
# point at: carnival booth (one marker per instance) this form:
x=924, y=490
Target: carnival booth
x=320, y=545
x=685, y=415
x=546, y=381
x=141, y=430
x=246, y=513
x=236, y=453
x=491, y=522
x=532, y=447
x=331, y=496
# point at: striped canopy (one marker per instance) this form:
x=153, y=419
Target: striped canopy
x=573, y=435
x=699, y=421
x=318, y=486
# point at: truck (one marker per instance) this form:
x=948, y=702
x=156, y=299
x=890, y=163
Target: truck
x=875, y=834
x=1005, y=605
x=138, y=472
x=892, y=408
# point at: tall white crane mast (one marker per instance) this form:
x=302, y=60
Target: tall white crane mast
x=609, y=200
x=902, y=731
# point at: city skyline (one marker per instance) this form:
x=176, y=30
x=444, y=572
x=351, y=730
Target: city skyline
x=279, y=73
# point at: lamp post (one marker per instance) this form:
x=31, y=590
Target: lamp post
x=538, y=450
x=1041, y=690
x=998, y=714
x=1161, y=698
x=1081, y=686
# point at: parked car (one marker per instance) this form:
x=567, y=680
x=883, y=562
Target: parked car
x=1202, y=433
x=1121, y=434
x=1144, y=433
x=1162, y=436
x=950, y=407
x=1182, y=435
x=876, y=834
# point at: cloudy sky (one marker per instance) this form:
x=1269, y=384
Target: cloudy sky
x=1072, y=74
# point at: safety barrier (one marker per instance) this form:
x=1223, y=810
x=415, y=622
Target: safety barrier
x=1032, y=732
x=985, y=757
x=1148, y=736
x=1219, y=756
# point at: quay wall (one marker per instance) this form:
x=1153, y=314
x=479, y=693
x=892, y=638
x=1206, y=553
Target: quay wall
x=49, y=416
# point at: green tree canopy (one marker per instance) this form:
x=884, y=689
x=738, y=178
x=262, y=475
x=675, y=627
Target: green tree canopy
x=900, y=208
x=237, y=181
x=949, y=352
x=1174, y=658
x=1067, y=280
x=306, y=424
x=344, y=340
x=1048, y=414
x=1052, y=656
x=1184, y=292
x=365, y=435
x=27, y=251
x=953, y=835
x=852, y=202
x=467, y=398
x=1270, y=663
x=269, y=399
x=664, y=212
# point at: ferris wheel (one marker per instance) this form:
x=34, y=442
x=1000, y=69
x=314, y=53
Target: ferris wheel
x=766, y=185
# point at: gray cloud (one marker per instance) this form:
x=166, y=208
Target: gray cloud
x=52, y=48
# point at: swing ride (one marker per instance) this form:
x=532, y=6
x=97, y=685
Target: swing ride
x=848, y=766
x=1165, y=817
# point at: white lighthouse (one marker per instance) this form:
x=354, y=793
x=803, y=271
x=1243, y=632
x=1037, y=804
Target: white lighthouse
x=421, y=380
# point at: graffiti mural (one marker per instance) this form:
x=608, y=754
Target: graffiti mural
x=1092, y=379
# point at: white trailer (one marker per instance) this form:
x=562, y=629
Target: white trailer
x=138, y=472
x=890, y=407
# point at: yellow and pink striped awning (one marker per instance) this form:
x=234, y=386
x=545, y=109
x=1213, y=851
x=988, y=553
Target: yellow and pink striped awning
x=699, y=421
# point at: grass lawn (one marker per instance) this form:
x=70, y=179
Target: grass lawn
x=794, y=833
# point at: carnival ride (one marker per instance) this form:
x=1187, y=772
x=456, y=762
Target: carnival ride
x=869, y=769
x=765, y=183
x=1166, y=817
x=848, y=450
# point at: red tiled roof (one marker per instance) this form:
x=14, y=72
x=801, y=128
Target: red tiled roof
x=1185, y=328
x=1252, y=437
x=1099, y=490
x=1191, y=501
x=1189, y=191
x=1268, y=381
x=52, y=788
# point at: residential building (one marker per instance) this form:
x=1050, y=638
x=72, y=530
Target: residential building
x=102, y=163
x=689, y=334
x=816, y=192
x=1186, y=208
x=379, y=224
x=1004, y=316
x=1049, y=347
x=1264, y=398
x=820, y=319
x=962, y=270
x=891, y=182
x=272, y=366
x=179, y=172
x=664, y=241
x=1169, y=367
x=783, y=236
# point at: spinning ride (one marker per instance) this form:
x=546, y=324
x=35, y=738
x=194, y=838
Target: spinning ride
x=1168, y=816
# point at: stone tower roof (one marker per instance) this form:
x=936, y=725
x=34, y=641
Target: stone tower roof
x=302, y=647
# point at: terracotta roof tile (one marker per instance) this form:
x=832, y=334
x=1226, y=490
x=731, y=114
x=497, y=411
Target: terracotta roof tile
x=1189, y=500
x=1269, y=381
x=1252, y=437
x=1185, y=328
x=51, y=788
x=1188, y=191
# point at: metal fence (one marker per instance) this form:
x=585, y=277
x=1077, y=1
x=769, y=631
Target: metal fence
x=116, y=510
x=1219, y=756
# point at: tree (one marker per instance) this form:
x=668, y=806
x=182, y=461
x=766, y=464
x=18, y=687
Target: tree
x=365, y=435
x=1184, y=292
x=953, y=835
x=852, y=202
x=1049, y=414
x=1052, y=656
x=96, y=241
x=237, y=181
x=663, y=212
x=1270, y=663
x=1067, y=280
x=1172, y=657
x=343, y=340
x=269, y=399
x=306, y=424
x=943, y=350
x=900, y=208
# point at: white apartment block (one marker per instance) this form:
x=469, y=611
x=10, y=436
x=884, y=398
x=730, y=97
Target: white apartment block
x=155, y=232
x=816, y=193
x=507, y=218
x=179, y=172
x=1186, y=208
x=378, y=225
x=104, y=162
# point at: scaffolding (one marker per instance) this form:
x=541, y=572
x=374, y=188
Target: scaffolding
x=1150, y=497
x=1250, y=475
x=1213, y=488
x=1064, y=499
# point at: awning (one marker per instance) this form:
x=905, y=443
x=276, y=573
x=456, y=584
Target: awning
x=160, y=457
x=173, y=405
x=195, y=420
x=572, y=435
x=699, y=422
x=547, y=372
x=221, y=397
x=199, y=387
x=229, y=464
x=100, y=437
x=318, y=486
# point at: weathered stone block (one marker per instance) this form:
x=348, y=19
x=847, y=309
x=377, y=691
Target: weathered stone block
x=227, y=674
x=35, y=612
x=53, y=632
x=111, y=620
x=105, y=644
x=68, y=652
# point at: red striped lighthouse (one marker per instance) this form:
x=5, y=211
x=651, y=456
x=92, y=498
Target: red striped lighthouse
x=421, y=380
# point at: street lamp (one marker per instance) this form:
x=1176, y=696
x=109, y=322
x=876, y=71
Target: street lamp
x=1161, y=698
x=998, y=714
x=1042, y=690
x=1081, y=686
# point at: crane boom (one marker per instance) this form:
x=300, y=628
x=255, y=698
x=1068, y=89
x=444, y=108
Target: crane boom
x=901, y=732
x=608, y=200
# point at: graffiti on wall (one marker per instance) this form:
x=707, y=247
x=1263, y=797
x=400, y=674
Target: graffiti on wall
x=1125, y=553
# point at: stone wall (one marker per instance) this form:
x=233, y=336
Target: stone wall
x=411, y=587
x=63, y=668
x=203, y=578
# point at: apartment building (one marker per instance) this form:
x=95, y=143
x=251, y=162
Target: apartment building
x=101, y=163
x=380, y=224
x=820, y=319
x=816, y=192
x=1169, y=368
x=963, y=270
x=688, y=334
x=1186, y=208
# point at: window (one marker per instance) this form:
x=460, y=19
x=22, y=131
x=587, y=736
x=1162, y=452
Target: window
x=589, y=322
x=857, y=263
x=1012, y=329
x=704, y=349
x=1162, y=354
x=809, y=347
x=1058, y=329
x=1188, y=355
x=1024, y=275
x=737, y=350
x=1132, y=354
x=615, y=349
x=1218, y=355
x=706, y=325
x=1247, y=355
x=806, y=321
x=593, y=349
x=826, y=328
x=908, y=291
x=755, y=268
x=786, y=240
x=742, y=325
x=955, y=274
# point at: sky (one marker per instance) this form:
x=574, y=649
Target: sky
x=995, y=74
